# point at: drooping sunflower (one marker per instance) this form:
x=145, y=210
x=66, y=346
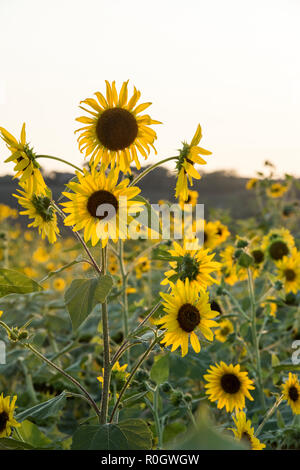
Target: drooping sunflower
x=188, y=156
x=7, y=420
x=26, y=167
x=278, y=243
x=100, y=205
x=225, y=329
x=228, y=386
x=187, y=310
x=291, y=393
x=289, y=271
x=276, y=190
x=244, y=432
x=196, y=265
x=37, y=205
x=115, y=132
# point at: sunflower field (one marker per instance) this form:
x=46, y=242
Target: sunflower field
x=115, y=336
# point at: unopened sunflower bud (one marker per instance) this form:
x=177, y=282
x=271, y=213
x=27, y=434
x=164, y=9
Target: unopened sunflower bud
x=176, y=398
x=142, y=375
x=188, y=397
x=242, y=243
x=166, y=387
x=245, y=260
x=278, y=285
x=23, y=335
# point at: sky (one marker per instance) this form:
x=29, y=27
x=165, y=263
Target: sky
x=233, y=66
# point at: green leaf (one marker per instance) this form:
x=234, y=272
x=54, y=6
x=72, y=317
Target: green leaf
x=138, y=434
x=105, y=437
x=290, y=367
x=160, y=370
x=13, y=282
x=84, y=294
x=30, y=433
x=7, y=443
x=44, y=410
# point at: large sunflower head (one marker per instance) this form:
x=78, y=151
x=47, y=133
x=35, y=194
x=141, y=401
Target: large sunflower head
x=7, y=420
x=189, y=154
x=26, y=167
x=291, y=393
x=38, y=207
x=278, y=243
x=196, y=265
x=245, y=433
x=228, y=386
x=100, y=205
x=115, y=131
x=187, y=311
x=289, y=271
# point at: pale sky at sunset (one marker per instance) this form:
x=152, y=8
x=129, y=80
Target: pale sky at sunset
x=233, y=66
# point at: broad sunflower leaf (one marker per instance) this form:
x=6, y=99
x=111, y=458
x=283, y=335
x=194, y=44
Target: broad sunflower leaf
x=137, y=433
x=8, y=443
x=105, y=437
x=160, y=370
x=13, y=282
x=30, y=433
x=84, y=294
x=44, y=410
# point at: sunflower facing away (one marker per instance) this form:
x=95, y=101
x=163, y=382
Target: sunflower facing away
x=187, y=310
x=228, y=386
x=7, y=420
x=245, y=433
x=116, y=131
x=188, y=156
x=191, y=199
x=278, y=243
x=93, y=190
x=26, y=166
x=289, y=271
x=37, y=206
x=291, y=393
x=196, y=265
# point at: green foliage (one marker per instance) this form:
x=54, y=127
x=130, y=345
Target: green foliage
x=12, y=282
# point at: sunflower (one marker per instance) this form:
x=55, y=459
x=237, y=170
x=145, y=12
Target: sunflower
x=7, y=420
x=228, y=385
x=258, y=256
x=278, y=243
x=143, y=266
x=251, y=184
x=222, y=232
x=59, y=284
x=188, y=156
x=276, y=190
x=93, y=190
x=37, y=205
x=273, y=306
x=188, y=309
x=118, y=376
x=115, y=132
x=245, y=433
x=26, y=167
x=291, y=393
x=210, y=235
x=289, y=271
x=196, y=265
x=225, y=329
x=191, y=199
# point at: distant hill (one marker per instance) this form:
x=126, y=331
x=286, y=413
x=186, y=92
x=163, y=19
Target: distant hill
x=217, y=190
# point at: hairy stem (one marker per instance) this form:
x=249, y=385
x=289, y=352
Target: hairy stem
x=106, y=355
x=59, y=160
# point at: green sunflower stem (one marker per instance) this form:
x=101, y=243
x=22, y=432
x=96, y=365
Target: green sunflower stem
x=106, y=354
x=255, y=337
x=65, y=374
x=136, y=367
x=59, y=160
x=158, y=426
x=268, y=415
x=124, y=294
x=148, y=170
